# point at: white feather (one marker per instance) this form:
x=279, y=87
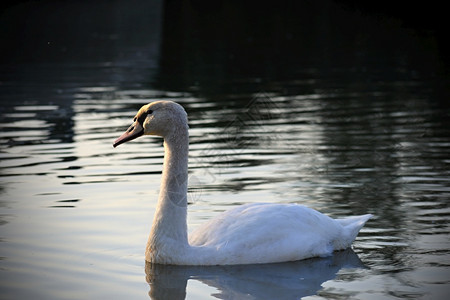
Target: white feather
x=248, y=234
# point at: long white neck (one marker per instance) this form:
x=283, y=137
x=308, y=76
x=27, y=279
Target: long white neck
x=169, y=229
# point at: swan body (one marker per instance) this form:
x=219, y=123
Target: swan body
x=248, y=234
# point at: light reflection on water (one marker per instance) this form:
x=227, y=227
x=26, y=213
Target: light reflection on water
x=76, y=212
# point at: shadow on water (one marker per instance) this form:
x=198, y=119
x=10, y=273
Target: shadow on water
x=229, y=46
x=292, y=280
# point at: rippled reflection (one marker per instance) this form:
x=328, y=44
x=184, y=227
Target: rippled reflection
x=293, y=280
x=63, y=185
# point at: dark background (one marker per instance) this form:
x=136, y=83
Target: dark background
x=215, y=46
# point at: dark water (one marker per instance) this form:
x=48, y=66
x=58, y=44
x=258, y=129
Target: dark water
x=333, y=108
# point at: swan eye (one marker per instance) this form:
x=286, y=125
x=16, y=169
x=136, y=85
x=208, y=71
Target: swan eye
x=149, y=112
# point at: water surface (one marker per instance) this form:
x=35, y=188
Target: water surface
x=76, y=212
x=346, y=137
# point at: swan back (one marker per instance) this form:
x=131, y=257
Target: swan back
x=270, y=232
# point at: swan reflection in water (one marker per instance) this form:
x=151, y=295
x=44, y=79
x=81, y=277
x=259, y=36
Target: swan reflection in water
x=289, y=280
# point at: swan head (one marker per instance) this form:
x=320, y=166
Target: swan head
x=161, y=118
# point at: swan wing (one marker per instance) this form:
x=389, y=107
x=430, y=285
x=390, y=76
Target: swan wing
x=267, y=232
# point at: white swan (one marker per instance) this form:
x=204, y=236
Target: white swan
x=248, y=234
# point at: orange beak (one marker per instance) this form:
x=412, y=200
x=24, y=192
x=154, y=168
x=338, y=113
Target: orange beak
x=134, y=131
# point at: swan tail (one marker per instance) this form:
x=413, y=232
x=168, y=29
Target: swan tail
x=352, y=226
